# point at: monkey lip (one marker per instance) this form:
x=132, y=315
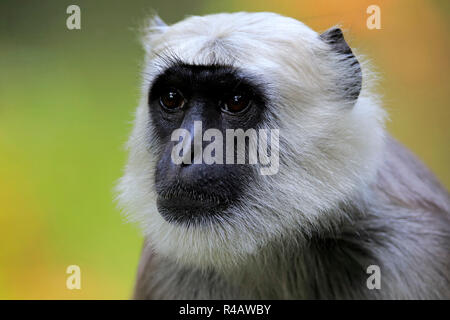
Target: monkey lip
x=190, y=202
x=178, y=195
x=190, y=208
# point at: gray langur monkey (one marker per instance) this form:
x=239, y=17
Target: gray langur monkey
x=346, y=196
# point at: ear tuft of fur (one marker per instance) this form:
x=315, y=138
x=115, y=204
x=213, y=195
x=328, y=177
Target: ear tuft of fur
x=335, y=38
x=352, y=80
x=154, y=26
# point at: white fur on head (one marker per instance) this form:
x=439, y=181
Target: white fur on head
x=328, y=150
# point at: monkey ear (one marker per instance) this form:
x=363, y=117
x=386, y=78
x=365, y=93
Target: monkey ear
x=352, y=75
x=155, y=26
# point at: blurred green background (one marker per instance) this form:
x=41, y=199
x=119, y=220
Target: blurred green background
x=66, y=103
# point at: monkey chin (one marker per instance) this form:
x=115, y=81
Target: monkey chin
x=189, y=211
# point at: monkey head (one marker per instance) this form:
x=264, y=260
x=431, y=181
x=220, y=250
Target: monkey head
x=205, y=76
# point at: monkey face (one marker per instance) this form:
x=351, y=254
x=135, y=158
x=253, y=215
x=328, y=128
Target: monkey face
x=196, y=98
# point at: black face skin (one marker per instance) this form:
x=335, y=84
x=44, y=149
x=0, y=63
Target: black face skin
x=222, y=98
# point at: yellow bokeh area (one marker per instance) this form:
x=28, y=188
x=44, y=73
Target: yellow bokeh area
x=66, y=105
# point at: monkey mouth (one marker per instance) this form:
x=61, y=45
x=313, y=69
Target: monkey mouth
x=191, y=206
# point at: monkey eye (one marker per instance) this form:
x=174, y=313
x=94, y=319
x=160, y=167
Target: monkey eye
x=236, y=103
x=172, y=99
